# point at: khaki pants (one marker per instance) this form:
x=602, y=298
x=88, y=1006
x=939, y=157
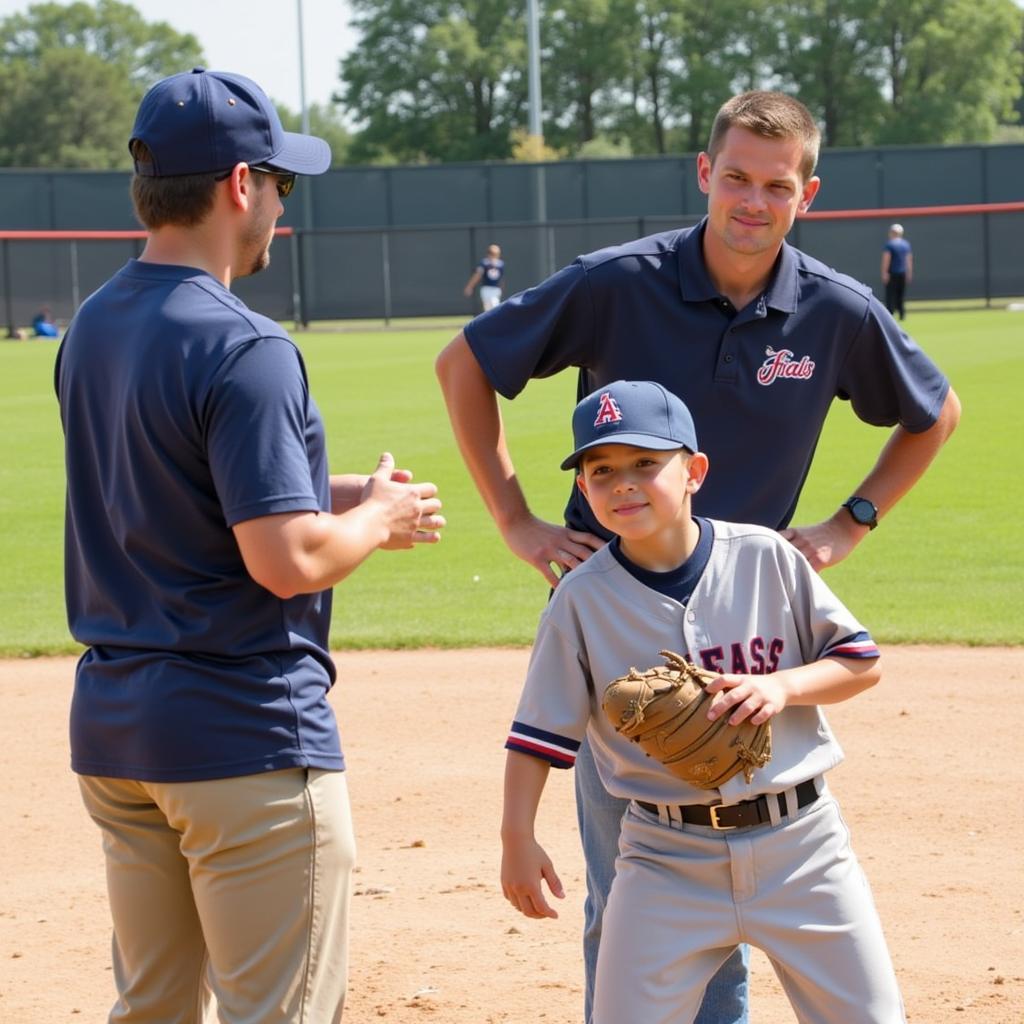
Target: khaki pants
x=229, y=897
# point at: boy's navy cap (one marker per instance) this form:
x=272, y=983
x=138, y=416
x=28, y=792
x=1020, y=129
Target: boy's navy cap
x=201, y=122
x=635, y=412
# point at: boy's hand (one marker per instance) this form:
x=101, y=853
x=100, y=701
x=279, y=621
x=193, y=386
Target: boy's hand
x=523, y=865
x=755, y=697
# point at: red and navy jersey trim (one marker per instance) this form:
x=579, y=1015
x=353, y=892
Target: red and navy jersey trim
x=559, y=751
x=856, y=645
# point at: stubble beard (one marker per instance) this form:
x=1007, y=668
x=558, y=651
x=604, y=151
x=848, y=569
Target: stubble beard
x=261, y=262
x=750, y=244
x=256, y=240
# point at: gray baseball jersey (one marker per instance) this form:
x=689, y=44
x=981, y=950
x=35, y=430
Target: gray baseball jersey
x=758, y=607
x=684, y=896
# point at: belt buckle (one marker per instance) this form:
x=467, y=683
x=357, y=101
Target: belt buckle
x=713, y=810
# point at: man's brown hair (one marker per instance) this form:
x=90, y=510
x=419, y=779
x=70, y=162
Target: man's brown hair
x=772, y=115
x=183, y=200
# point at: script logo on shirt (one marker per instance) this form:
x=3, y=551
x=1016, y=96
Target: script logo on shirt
x=781, y=364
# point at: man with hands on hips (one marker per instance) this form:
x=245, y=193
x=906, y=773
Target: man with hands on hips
x=756, y=337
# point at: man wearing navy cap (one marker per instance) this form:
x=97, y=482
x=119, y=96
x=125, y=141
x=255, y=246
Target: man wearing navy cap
x=757, y=338
x=203, y=537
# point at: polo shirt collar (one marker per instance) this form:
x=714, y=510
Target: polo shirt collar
x=695, y=283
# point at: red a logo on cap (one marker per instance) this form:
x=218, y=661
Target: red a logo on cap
x=607, y=410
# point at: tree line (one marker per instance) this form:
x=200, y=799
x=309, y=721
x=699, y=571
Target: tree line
x=446, y=80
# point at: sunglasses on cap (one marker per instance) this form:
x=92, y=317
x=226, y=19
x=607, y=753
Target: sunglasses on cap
x=284, y=180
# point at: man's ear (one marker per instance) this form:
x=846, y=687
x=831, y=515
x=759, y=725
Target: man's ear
x=581, y=483
x=807, y=193
x=704, y=172
x=242, y=186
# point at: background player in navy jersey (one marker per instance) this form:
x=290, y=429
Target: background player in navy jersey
x=757, y=337
x=763, y=858
x=489, y=273
x=203, y=537
x=897, y=270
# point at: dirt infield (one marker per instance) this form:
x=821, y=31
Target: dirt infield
x=931, y=790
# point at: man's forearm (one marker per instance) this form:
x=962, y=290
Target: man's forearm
x=479, y=431
x=900, y=465
x=906, y=456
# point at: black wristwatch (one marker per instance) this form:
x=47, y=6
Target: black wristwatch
x=863, y=511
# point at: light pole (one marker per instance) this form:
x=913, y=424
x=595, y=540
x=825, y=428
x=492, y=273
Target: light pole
x=301, y=260
x=302, y=73
x=536, y=131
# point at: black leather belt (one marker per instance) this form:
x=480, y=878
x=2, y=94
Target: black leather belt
x=742, y=815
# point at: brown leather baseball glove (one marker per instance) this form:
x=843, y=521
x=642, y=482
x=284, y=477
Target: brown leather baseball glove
x=664, y=709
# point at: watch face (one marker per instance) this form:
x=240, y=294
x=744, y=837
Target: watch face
x=863, y=511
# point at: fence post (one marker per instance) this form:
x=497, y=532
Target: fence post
x=303, y=265
x=76, y=294
x=12, y=331
x=385, y=254
x=986, y=259
x=297, y=307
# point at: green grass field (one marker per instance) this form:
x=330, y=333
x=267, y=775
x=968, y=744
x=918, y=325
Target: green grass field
x=946, y=566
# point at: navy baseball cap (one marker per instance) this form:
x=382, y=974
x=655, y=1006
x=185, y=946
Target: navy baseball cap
x=635, y=412
x=201, y=122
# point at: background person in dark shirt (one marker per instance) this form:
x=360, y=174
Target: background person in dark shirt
x=897, y=270
x=489, y=274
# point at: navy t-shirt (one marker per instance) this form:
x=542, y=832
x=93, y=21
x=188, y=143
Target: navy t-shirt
x=758, y=381
x=898, y=249
x=185, y=413
x=491, y=271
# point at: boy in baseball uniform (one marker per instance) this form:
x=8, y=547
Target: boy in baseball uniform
x=766, y=861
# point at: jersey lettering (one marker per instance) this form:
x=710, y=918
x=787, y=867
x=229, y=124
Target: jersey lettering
x=757, y=656
x=781, y=364
x=711, y=658
x=608, y=410
x=739, y=661
x=745, y=658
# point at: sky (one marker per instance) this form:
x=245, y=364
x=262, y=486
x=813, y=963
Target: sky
x=258, y=38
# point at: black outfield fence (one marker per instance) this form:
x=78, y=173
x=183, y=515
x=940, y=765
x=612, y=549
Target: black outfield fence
x=973, y=252
x=387, y=242
x=496, y=194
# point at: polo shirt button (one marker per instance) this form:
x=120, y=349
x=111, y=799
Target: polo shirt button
x=728, y=359
x=691, y=616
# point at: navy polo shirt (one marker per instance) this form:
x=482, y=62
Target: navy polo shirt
x=185, y=413
x=758, y=381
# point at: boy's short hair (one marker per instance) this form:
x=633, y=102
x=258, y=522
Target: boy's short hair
x=184, y=200
x=772, y=115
